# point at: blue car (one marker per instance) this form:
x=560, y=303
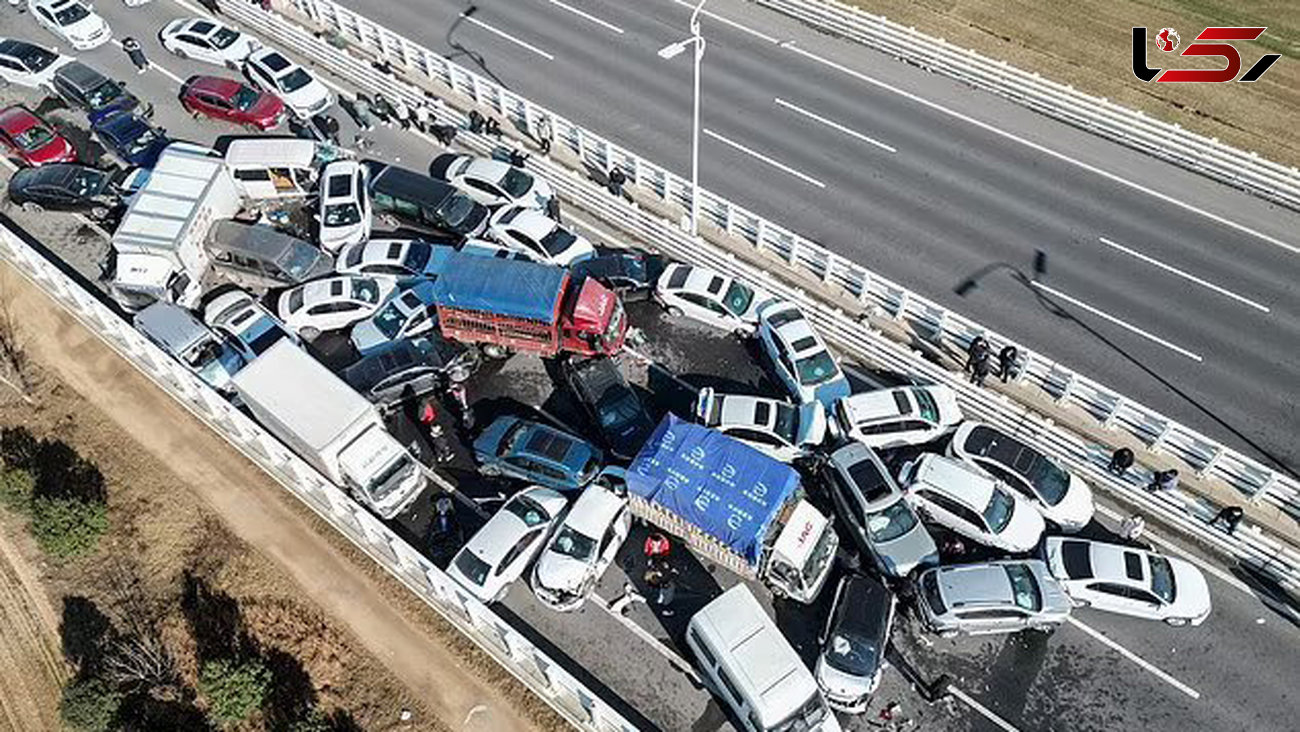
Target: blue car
x=536, y=453
x=131, y=138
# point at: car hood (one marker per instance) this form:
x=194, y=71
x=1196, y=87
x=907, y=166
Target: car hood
x=557, y=571
x=1191, y=591
x=812, y=424
x=909, y=551
x=56, y=150
x=266, y=107
x=307, y=96
x=85, y=29
x=840, y=685
x=1024, y=530
x=366, y=336
x=1076, y=507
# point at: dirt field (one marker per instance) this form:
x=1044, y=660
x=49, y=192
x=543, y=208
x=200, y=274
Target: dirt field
x=1087, y=43
x=186, y=511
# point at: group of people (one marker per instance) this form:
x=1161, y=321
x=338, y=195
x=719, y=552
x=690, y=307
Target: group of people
x=979, y=361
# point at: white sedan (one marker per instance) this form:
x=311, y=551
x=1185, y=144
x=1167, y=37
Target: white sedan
x=344, y=205
x=302, y=93
x=27, y=64
x=332, y=303
x=492, y=182
x=538, y=235
x=778, y=429
x=397, y=258
x=582, y=549
x=209, y=41
x=73, y=21
x=710, y=297
x=898, y=416
x=1129, y=581
x=1061, y=496
x=500, y=552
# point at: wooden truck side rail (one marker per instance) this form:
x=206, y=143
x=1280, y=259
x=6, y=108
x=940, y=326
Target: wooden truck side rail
x=516, y=334
x=692, y=535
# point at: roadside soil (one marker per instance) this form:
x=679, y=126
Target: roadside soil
x=32, y=669
x=181, y=500
x=1088, y=44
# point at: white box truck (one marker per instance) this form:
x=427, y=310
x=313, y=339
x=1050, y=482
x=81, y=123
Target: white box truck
x=160, y=242
x=331, y=426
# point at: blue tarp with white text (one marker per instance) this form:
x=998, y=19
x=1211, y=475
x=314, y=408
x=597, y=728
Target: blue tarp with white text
x=724, y=487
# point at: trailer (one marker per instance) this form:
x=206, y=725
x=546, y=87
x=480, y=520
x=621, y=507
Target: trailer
x=733, y=505
x=508, y=305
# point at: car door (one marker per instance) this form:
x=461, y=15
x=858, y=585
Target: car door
x=484, y=192
x=1012, y=480
x=46, y=18
x=195, y=47
x=1113, y=597
x=261, y=78
x=763, y=442
x=529, y=244
x=516, y=558
x=705, y=309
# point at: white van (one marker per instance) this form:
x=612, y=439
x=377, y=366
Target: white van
x=273, y=167
x=752, y=667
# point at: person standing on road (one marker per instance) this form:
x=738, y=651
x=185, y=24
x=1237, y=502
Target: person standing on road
x=1008, y=365
x=1120, y=461
x=976, y=352
x=402, y=113
x=136, y=53
x=981, y=369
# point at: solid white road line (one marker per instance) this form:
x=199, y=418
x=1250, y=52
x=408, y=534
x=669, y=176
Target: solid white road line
x=155, y=66
x=586, y=15
x=778, y=165
x=1184, y=275
x=988, y=713
x=1135, y=658
x=508, y=37
x=675, y=660
x=725, y=21
x=1117, y=321
x=834, y=125
x=1045, y=150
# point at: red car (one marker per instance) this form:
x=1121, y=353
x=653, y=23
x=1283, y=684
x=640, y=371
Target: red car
x=219, y=98
x=32, y=140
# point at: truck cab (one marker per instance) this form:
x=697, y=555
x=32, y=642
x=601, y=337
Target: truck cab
x=801, y=557
x=139, y=280
x=595, y=323
x=383, y=474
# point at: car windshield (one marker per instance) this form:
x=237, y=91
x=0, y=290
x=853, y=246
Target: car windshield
x=104, y=94
x=34, y=137
x=474, y=569
x=558, y=241
x=1049, y=480
x=300, y=260
x=823, y=553
x=528, y=511
x=738, y=298
x=142, y=143
x=245, y=98
x=389, y=321
x=71, y=14
x=891, y=523
x=852, y=654
x=516, y=182
x=1162, y=578
x=925, y=402
x=570, y=543
x=366, y=291
x=270, y=334
x=786, y=423
x=1024, y=588
x=223, y=38
x=455, y=209
x=294, y=80
x=816, y=369
x=998, y=512
x=342, y=214
x=618, y=409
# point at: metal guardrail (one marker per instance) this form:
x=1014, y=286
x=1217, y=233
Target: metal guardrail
x=545, y=677
x=1210, y=459
x=1205, y=155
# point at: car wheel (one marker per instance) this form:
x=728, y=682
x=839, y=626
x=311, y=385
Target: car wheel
x=492, y=350
x=1177, y=622
x=1082, y=603
x=179, y=52
x=947, y=634
x=253, y=128
x=32, y=207
x=309, y=333
x=99, y=212
x=1047, y=629
x=491, y=471
x=674, y=311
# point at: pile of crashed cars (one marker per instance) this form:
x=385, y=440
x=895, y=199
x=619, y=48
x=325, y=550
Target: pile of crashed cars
x=907, y=479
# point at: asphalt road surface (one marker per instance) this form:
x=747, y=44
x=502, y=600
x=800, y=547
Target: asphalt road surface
x=1192, y=292
x=1235, y=671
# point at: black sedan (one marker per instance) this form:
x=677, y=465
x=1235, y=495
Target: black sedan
x=410, y=368
x=614, y=408
x=631, y=274
x=66, y=187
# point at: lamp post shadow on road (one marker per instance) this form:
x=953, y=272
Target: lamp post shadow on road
x=670, y=51
x=971, y=282
x=460, y=50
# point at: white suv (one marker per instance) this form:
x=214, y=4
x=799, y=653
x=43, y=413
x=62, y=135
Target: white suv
x=780, y=430
x=903, y=415
x=344, y=205
x=969, y=502
x=799, y=356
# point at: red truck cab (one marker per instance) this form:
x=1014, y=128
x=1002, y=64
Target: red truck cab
x=509, y=305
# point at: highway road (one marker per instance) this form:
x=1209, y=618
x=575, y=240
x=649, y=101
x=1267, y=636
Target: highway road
x=1235, y=671
x=1191, y=285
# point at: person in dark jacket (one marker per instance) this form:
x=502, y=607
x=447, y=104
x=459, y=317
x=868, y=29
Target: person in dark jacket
x=1230, y=516
x=135, y=52
x=1008, y=362
x=1120, y=461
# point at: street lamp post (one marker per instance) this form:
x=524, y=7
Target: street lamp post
x=671, y=51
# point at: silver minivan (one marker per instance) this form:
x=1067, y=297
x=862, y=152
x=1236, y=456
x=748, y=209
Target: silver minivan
x=256, y=256
x=175, y=330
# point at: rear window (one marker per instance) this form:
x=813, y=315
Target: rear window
x=1077, y=559
x=339, y=186
x=715, y=286
x=785, y=316
x=901, y=401
x=474, y=569
x=679, y=276
x=803, y=344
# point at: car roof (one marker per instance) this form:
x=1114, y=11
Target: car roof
x=975, y=584
x=1114, y=563
x=80, y=75
x=486, y=168
x=322, y=290
x=202, y=26
x=956, y=480
x=863, y=606
x=984, y=441
x=273, y=60
x=700, y=279
x=545, y=442
x=214, y=84
x=882, y=404
x=406, y=183
x=738, y=409
x=17, y=119
x=593, y=511
x=491, y=542
x=339, y=169
x=868, y=473
x=532, y=222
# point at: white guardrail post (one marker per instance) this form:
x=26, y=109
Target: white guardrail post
x=507, y=647
x=807, y=258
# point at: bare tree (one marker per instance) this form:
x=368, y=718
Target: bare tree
x=13, y=361
x=137, y=656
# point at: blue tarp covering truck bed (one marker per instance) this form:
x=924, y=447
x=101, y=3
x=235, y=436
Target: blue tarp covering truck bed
x=727, y=489
x=512, y=288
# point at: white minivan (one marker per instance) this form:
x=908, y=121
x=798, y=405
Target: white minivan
x=751, y=667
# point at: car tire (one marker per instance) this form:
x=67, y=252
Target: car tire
x=492, y=350
x=490, y=471
x=179, y=52
x=1082, y=603
x=99, y=213
x=1178, y=622
x=674, y=311
x=32, y=207
x=1047, y=629
x=309, y=333
x=947, y=634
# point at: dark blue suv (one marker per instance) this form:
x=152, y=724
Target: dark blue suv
x=536, y=453
x=131, y=138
